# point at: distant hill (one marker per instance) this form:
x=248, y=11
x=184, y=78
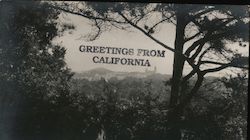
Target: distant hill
x=98, y=73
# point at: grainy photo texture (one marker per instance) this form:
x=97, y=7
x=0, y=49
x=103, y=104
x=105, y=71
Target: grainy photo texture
x=75, y=70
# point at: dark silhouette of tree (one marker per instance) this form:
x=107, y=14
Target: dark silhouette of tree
x=203, y=35
x=34, y=77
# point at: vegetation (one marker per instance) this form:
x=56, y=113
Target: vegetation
x=139, y=113
x=39, y=99
x=33, y=75
x=202, y=40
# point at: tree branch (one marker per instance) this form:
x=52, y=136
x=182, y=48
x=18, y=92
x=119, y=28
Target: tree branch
x=197, y=51
x=192, y=18
x=216, y=69
x=146, y=33
x=152, y=28
x=201, y=41
x=143, y=16
x=187, y=97
x=207, y=38
x=188, y=76
x=192, y=37
x=203, y=12
x=202, y=54
x=225, y=64
x=85, y=15
x=98, y=30
x=190, y=62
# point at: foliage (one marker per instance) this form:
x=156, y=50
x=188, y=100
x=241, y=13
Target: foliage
x=139, y=114
x=203, y=34
x=33, y=76
x=39, y=101
x=219, y=110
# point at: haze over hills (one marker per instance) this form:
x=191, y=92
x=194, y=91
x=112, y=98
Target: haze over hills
x=98, y=73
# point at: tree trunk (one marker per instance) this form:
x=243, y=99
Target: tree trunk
x=174, y=116
x=187, y=98
x=178, y=61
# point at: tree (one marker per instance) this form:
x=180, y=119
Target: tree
x=237, y=122
x=210, y=29
x=33, y=74
x=218, y=111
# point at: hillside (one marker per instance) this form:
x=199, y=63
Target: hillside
x=98, y=73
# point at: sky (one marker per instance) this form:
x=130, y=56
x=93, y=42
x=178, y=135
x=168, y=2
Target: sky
x=82, y=61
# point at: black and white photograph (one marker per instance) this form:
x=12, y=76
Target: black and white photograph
x=84, y=70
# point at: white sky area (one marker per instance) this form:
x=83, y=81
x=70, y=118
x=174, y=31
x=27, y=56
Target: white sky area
x=82, y=61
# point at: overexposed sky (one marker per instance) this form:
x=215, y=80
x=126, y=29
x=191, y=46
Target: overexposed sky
x=82, y=61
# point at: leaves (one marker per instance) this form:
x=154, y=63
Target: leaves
x=34, y=69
